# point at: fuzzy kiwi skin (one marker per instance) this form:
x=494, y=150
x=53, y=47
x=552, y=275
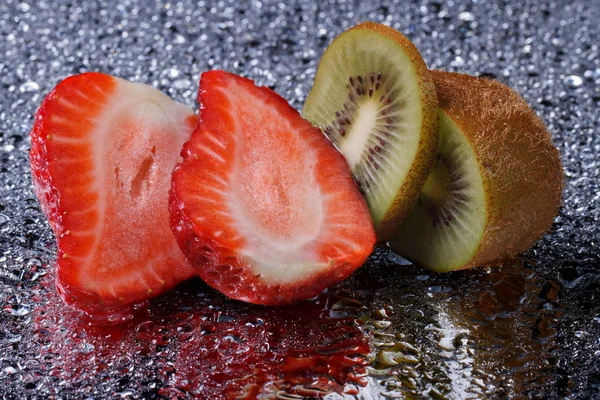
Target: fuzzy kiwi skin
x=521, y=169
x=410, y=190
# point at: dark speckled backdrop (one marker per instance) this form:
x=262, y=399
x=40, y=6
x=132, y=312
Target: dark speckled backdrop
x=529, y=329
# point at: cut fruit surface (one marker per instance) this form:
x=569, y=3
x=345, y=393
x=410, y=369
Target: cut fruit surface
x=102, y=154
x=375, y=100
x=496, y=185
x=448, y=221
x=263, y=205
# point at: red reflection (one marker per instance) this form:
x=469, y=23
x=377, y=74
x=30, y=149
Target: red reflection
x=193, y=341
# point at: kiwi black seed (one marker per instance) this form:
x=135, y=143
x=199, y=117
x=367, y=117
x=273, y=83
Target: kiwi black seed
x=375, y=100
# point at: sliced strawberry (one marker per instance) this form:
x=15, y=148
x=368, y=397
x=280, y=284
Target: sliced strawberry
x=263, y=205
x=102, y=152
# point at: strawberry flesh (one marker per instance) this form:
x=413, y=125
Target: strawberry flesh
x=102, y=154
x=263, y=205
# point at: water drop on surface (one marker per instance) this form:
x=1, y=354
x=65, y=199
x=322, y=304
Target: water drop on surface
x=146, y=326
x=17, y=310
x=9, y=370
x=573, y=81
x=86, y=348
x=172, y=72
x=396, y=259
x=185, y=327
x=458, y=62
x=29, y=87
x=34, y=262
x=24, y=7
x=182, y=84
x=466, y=16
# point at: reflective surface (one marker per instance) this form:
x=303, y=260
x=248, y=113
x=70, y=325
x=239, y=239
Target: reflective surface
x=528, y=329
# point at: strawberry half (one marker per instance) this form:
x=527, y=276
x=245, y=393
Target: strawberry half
x=263, y=205
x=102, y=152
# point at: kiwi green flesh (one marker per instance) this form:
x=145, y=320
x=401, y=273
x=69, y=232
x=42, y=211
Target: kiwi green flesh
x=366, y=99
x=445, y=228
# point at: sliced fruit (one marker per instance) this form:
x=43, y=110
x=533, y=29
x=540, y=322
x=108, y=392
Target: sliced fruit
x=374, y=98
x=102, y=152
x=263, y=205
x=496, y=185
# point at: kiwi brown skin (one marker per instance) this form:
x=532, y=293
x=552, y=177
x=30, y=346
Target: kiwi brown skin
x=428, y=142
x=520, y=167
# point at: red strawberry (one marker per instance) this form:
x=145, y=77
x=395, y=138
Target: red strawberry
x=263, y=205
x=102, y=152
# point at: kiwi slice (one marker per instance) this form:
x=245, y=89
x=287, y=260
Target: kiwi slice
x=496, y=184
x=374, y=98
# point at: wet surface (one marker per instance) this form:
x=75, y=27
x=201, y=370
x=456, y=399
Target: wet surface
x=194, y=341
x=527, y=329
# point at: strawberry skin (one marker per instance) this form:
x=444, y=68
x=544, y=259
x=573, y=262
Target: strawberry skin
x=263, y=205
x=102, y=152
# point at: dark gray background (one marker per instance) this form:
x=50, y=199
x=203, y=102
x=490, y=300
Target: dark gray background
x=547, y=51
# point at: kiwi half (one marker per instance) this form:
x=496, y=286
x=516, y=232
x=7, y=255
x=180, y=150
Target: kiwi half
x=496, y=185
x=374, y=98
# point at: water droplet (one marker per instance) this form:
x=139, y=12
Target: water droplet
x=29, y=87
x=396, y=259
x=9, y=370
x=34, y=262
x=391, y=358
x=24, y=7
x=145, y=326
x=85, y=348
x=182, y=84
x=458, y=62
x=18, y=310
x=573, y=81
x=185, y=327
x=382, y=324
x=172, y=72
x=179, y=39
x=298, y=91
x=466, y=16
x=380, y=314
x=255, y=322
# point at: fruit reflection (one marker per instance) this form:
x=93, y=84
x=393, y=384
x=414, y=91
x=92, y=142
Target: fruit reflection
x=195, y=342
x=472, y=334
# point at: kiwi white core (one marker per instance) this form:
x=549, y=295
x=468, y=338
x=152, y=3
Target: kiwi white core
x=366, y=97
x=358, y=134
x=446, y=226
